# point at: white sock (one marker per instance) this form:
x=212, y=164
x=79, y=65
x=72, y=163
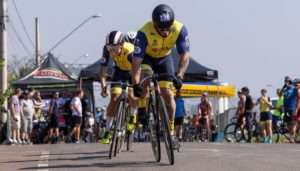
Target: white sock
x=133, y=111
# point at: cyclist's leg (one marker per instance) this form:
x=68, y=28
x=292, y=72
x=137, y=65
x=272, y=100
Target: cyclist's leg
x=166, y=66
x=207, y=127
x=116, y=91
x=133, y=111
x=249, y=118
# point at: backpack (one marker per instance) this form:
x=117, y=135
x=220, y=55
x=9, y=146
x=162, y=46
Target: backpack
x=249, y=103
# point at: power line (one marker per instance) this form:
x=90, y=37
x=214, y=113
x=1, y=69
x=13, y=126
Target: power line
x=19, y=38
x=22, y=23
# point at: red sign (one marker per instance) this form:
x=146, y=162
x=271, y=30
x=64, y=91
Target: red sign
x=46, y=73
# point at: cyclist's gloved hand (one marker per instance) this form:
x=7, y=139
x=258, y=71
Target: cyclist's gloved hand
x=137, y=90
x=177, y=83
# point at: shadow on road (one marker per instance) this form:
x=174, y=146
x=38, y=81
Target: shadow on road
x=78, y=153
x=61, y=159
x=105, y=165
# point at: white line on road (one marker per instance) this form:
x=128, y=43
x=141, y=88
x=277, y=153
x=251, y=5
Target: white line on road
x=43, y=162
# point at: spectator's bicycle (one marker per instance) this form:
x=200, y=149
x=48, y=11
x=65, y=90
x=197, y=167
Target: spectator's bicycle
x=158, y=119
x=229, y=131
x=120, y=121
x=251, y=134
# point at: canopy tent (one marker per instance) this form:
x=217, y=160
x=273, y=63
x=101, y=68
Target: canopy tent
x=195, y=71
x=50, y=74
x=213, y=89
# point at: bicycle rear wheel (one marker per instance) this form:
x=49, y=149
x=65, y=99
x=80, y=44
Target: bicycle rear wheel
x=154, y=130
x=166, y=129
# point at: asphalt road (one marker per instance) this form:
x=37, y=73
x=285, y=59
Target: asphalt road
x=194, y=156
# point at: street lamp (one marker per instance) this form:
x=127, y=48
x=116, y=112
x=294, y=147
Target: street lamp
x=76, y=28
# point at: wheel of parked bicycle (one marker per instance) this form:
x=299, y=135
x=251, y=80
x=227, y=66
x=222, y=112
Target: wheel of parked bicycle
x=229, y=132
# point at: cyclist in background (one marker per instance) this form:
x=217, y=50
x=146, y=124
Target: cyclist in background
x=278, y=109
x=121, y=53
x=205, y=112
x=153, y=46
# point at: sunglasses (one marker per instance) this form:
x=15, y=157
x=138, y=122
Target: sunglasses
x=113, y=47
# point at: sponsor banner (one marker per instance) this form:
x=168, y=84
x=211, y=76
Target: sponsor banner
x=53, y=74
x=194, y=90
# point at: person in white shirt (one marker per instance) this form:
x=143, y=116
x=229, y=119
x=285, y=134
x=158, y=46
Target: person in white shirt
x=76, y=107
x=27, y=111
x=14, y=106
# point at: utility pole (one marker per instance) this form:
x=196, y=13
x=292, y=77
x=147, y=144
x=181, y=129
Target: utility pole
x=3, y=45
x=37, y=43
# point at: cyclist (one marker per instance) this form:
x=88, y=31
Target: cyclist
x=153, y=46
x=205, y=113
x=121, y=53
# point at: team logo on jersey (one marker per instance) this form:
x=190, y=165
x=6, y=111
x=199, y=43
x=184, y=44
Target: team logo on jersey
x=137, y=50
x=154, y=43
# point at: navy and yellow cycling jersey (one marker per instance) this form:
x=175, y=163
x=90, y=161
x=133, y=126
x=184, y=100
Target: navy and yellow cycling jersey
x=150, y=43
x=121, y=61
x=155, y=50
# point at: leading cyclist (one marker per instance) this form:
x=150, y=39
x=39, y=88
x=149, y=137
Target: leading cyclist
x=153, y=46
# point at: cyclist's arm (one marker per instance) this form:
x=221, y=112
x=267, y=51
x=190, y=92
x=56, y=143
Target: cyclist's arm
x=103, y=69
x=183, y=48
x=138, y=55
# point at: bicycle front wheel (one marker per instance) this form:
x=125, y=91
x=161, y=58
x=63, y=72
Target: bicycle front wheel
x=166, y=129
x=153, y=120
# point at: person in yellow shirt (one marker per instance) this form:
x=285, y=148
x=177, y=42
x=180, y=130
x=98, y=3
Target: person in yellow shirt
x=265, y=106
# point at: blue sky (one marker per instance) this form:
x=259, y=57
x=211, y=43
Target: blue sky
x=252, y=43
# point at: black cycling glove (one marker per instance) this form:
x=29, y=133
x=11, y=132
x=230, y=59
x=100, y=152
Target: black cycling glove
x=177, y=83
x=137, y=90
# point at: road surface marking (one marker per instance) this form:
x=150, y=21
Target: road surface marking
x=43, y=162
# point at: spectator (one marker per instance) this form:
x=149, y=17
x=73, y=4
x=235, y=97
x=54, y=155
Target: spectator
x=205, y=112
x=278, y=110
x=53, y=115
x=179, y=115
x=15, y=110
x=37, y=102
x=248, y=111
x=265, y=106
x=76, y=107
x=290, y=104
x=27, y=110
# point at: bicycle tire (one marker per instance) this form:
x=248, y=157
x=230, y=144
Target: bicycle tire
x=153, y=120
x=119, y=128
x=124, y=121
x=239, y=134
x=166, y=130
x=276, y=134
x=113, y=139
x=229, y=132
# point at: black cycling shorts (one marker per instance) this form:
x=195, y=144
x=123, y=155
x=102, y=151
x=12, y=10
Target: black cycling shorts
x=163, y=65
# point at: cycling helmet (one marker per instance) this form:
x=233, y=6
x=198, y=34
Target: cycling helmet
x=115, y=38
x=163, y=16
x=130, y=36
x=245, y=89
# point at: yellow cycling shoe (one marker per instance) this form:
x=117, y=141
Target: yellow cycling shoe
x=107, y=137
